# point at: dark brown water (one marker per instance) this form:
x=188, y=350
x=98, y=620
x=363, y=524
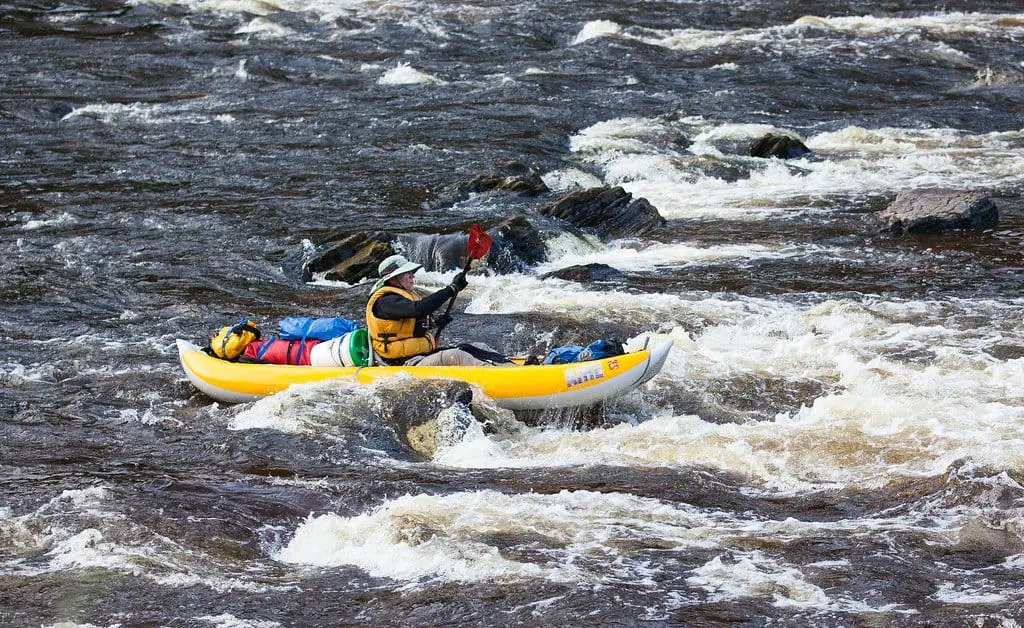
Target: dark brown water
x=835, y=440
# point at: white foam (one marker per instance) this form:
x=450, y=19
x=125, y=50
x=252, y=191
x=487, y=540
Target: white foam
x=144, y=113
x=189, y=577
x=823, y=32
x=952, y=23
x=568, y=179
x=595, y=29
x=520, y=293
x=63, y=220
x=88, y=549
x=404, y=74
x=301, y=408
x=950, y=593
x=249, y=7
x=446, y=537
x=692, y=39
x=623, y=256
x=406, y=539
x=753, y=574
x=905, y=390
x=81, y=529
x=227, y=620
x=265, y=29
x=636, y=154
x=474, y=449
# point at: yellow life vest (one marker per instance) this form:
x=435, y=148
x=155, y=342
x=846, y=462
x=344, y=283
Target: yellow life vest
x=394, y=339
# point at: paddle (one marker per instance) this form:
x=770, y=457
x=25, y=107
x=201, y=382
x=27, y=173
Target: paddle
x=478, y=245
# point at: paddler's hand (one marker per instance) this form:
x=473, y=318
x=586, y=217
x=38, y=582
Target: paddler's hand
x=459, y=283
x=442, y=321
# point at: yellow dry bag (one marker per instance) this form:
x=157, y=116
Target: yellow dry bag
x=230, y=342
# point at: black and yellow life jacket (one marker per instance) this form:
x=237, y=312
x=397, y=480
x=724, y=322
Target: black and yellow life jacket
x=396, y=339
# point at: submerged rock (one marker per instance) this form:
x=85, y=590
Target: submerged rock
x=713, y=167
x=606, y=212
x=934, y=210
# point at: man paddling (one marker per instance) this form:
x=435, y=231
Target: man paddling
x=400, y=322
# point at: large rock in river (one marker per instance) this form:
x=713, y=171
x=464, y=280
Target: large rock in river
x=352, y=258
x=586, y=273
x=933, y=210
x=780, y=146
x=606, y=212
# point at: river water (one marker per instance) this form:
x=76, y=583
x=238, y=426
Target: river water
x=836, y=439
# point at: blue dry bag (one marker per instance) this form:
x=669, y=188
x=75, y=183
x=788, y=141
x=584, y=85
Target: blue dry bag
x=305, y=328
x=597, y=350
x=563, y=355
x=600, y=349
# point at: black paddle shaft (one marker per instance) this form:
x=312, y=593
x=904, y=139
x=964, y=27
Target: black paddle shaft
x=451, y=303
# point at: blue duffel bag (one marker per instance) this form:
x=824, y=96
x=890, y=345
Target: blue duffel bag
x=597, y=350
x=305, y=328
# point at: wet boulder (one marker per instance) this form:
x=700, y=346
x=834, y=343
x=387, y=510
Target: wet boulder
x=585, y=273
x=517, y=245
x=350, y=259
x=780, y=146
x=606, y=212
x=426, y=413
x=510, y=176
x=934, y=210
x=680, y=142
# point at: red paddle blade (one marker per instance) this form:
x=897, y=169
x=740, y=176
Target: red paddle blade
x=479, y=242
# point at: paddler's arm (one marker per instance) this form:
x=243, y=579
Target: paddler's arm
x=395, y=307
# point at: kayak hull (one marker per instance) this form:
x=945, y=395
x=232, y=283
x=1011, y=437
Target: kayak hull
x=514, y=387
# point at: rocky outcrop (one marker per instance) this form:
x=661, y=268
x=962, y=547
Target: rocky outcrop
x=780, y=146
x=517, y=245
x=934, y=210
x=606, y=212
x=510, y=176
x=350, y=259
x=585, y=273
x=518, y=242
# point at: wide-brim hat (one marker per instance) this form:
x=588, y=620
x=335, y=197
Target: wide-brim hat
x=392, y=267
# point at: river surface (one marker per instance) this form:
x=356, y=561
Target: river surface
x=837, y=438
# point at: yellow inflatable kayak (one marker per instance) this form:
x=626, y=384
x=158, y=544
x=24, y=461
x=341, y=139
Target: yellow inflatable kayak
x=514, y=387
